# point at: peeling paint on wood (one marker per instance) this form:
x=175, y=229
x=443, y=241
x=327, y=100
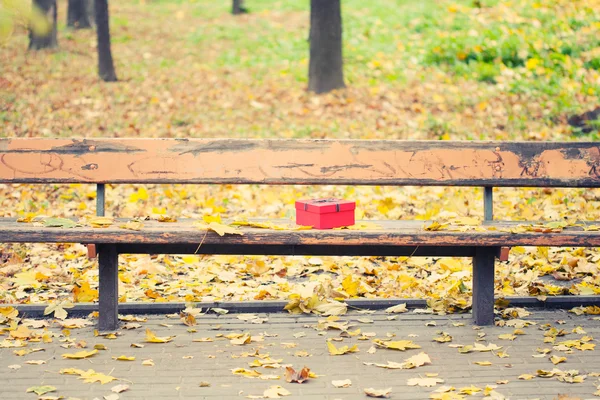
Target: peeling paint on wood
x=273, y=161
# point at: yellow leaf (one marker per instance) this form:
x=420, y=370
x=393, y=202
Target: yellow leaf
x=152, y=338
x=132, y=225
x=91, y=376
x=469, y=390
x=212, y=218
x=79, y=355
x=9, y=312
x=101, y=222
x=526, y=377
x=362, y=226
x=397, y=345
x=243, y=339
x=83, y=293
x=248, y=373
x=71, y=371
x=416, y=361
x=507, y=336
x=58, y=309
x=166, y=218
x=124, y=358
x=222, y=229
x=35, y=362
x=351, y=286
x=342, y=350
x=141, y=194
x=22, y=332
x=425, y=382
x=557, y=360
x=483, y=363
x=435, y=226
x=202, y=340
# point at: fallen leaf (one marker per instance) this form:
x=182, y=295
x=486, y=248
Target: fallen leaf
x=124, y=358
x=101, y=222
x=35, y=362
x=241, y=340
x=342, y=383
x=557, y=360
x=526, y=377
x=383, y=393
x=416, y=361
x=342, y=350
x=291, y=375
x=59, y=223
x=507, y=336
x=91, y=376
x=275, y=392
x=119, y=388
x=41, y=390
x=332, y=308
x=396, y=345
x=425, y=382
x=248, y=373
x=79, y=355
x=399, y=308
x=58, y=309
x=152, y=338
x=132, y=225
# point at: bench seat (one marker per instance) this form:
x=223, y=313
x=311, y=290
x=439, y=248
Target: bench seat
x=378, y=234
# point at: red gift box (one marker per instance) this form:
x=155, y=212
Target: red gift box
x=325, y=213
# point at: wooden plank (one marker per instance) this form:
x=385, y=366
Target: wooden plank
x=390, y=233
x=273, y=161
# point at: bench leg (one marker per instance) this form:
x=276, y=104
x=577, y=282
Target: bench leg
x=108, y=261
x=483, y=285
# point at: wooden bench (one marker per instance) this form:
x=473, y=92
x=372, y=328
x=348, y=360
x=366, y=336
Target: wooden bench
x=310, y=162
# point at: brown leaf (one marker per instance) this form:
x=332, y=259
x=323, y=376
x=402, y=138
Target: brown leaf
x=291, y=375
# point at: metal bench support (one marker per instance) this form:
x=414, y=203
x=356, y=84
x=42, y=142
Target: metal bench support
x=100, y=196
x=108, y=261
x=483, y=285
x=488, y=203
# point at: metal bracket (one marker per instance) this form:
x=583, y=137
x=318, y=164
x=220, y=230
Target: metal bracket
x=503, y=253
x=91, y=249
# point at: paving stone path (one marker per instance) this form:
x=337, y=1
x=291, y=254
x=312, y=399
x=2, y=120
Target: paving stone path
x=182, y=364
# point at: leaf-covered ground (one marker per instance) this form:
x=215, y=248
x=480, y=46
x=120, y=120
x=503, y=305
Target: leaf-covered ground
x=415, y=70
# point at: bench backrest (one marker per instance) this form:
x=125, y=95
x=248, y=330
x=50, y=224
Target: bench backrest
x=275, y=161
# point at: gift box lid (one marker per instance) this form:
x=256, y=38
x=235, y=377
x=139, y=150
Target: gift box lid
x=325, y=206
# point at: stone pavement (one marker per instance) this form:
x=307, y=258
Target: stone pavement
x=182, y=364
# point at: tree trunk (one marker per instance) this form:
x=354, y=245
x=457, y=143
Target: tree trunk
x=44, y=40
x=106, y=69
x=238, y=7
x=325, y=71
x=78, y=14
